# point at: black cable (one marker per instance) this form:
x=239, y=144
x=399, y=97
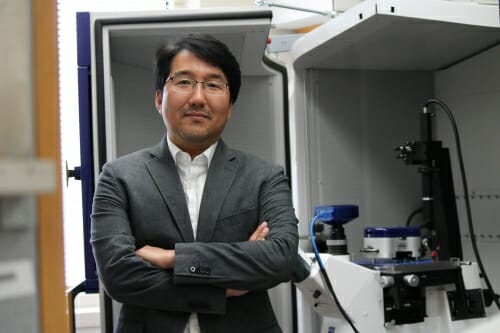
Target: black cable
x=337, y=302
x=466, y=195
x=324, y=274
x=412, y=215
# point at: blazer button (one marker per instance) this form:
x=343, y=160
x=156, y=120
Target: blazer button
x=205, y=270
x=192, y=269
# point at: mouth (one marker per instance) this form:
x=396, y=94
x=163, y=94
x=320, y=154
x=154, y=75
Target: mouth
x=196, y=115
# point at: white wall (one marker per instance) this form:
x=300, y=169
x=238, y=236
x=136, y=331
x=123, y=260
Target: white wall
x=471, y=89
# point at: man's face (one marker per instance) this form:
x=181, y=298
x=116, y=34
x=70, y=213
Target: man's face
x=194, y=120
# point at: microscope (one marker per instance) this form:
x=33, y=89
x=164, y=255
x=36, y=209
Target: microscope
x=412, y=279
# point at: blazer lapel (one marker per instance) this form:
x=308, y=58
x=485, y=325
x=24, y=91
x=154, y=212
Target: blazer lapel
x=164, y=173
x=219, y=179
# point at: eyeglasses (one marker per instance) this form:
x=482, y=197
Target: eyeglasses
x=186, y=85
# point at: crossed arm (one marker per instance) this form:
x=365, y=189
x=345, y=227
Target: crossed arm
x=160, y=275
x=165, y=259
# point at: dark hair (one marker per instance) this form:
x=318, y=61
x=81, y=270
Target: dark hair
x=206, y=48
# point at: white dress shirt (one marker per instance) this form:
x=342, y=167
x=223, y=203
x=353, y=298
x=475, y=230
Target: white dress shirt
x=193, y=174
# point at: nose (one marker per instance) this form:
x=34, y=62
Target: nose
x=198, y=92
x=198, y=85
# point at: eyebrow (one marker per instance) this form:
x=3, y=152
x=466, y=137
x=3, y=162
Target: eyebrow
x=190, y=73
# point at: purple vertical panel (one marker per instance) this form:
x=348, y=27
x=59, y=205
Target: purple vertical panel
x=86, y=145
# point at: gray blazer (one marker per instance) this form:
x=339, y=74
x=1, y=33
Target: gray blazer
x=139, y=200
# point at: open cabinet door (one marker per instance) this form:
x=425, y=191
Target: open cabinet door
x=118, y=115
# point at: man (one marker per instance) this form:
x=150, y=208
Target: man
x=190, y=234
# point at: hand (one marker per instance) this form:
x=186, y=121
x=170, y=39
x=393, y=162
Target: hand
x=163, y=258
x=235, y=292
x=157, y=256
x=260, y=233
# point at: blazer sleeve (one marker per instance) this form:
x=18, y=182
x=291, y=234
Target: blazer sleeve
x=247, y=265
x=126, y=277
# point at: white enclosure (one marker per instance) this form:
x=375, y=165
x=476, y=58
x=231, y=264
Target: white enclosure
x=360, y=82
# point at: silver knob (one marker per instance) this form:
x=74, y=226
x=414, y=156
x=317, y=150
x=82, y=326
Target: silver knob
x=411, y=280
x=386, y=281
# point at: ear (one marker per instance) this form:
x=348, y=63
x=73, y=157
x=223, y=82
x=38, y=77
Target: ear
x=158, y=100
x=230, y=112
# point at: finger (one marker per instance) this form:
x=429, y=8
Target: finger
x=140, y=252
x=235, y=292
x=257, y=234
x=264, y=233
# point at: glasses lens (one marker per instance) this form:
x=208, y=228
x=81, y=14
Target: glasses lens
x=182, y=84
x=214, y=87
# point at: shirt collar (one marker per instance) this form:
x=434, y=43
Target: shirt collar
x=208, y=153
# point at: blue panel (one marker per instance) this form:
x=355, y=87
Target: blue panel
x=392, y=232
x=86, y=145
x=336, y=214
x=83, y=39
x=86, y=173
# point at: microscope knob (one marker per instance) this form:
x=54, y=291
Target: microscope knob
x=386, y=281
x=411, y=280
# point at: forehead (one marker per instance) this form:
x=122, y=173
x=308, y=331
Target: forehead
x=187, y=63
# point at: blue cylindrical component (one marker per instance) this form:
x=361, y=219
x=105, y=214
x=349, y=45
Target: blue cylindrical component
x=336, y=214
